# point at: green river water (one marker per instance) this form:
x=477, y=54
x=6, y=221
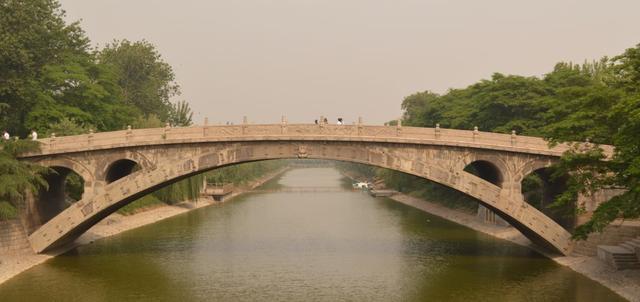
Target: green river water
x=297, y=246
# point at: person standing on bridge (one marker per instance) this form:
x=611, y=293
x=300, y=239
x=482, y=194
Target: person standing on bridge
x=339, y=121
x=5, y=135
x=34, y=135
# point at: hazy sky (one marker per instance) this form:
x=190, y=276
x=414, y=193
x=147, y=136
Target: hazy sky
x=307, y=58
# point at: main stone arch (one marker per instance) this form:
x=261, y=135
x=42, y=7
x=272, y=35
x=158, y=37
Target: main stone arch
x=440, y=164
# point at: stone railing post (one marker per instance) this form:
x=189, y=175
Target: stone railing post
x=129, y=132
x=475, y=133
x=205, y=126
x=167, y=127
x=52, y=141
x=513, y=137
x=321, y=122
x=90, y=137
x=587, y=143
x=283, y=125
x=359, y=126
x=245, y=123
x=399, y=128
x=437, y=131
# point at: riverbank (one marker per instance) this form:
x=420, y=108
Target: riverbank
x=16, y=262
x=626, y=283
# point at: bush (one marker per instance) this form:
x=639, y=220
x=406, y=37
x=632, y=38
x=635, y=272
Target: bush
x=137, y=205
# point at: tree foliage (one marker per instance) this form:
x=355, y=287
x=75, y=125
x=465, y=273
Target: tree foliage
x=145, y=79
x=7, y=211
x=52, y=81
x=149, y=121
x=18, y=178
x=67, y=126
x=187, y=189
x=240, y=174
x=180, y=114
x=597, y=101
x=47, y=72
x=33, y=37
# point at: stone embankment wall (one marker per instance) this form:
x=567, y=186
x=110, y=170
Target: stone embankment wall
x=13, y=237
x=616, y=233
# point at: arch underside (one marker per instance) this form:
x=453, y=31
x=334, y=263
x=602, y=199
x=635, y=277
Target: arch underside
x=439, y=164
x=71, y=164
x=119, y=169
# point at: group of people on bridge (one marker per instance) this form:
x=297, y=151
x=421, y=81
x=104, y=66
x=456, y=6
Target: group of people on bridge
x=326, y=121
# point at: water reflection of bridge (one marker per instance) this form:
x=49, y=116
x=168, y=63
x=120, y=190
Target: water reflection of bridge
x=310, y=189
x=217, y=190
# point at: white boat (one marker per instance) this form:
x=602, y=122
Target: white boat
x=362, y=185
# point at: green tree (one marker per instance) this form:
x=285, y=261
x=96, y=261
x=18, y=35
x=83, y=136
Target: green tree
x=242, y=173
x=180, y=114
x=421, y=109
x=149, y=121
x=32, y=35
x=3, y=116
x=51, y=81
x=18, y=178
x=67, y=126
x=616, y=119
x=84, y=91
x=47, y=71
x=145, y=79
x=187, y=189
x=597, y=101
x=626, y=70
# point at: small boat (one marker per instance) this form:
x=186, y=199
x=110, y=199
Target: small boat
x=362, y=185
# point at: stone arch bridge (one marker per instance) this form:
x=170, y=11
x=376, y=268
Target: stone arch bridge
x=106, y=162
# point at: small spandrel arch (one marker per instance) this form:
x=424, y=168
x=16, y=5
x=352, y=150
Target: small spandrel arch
x=119, y=169
x=486, y=170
